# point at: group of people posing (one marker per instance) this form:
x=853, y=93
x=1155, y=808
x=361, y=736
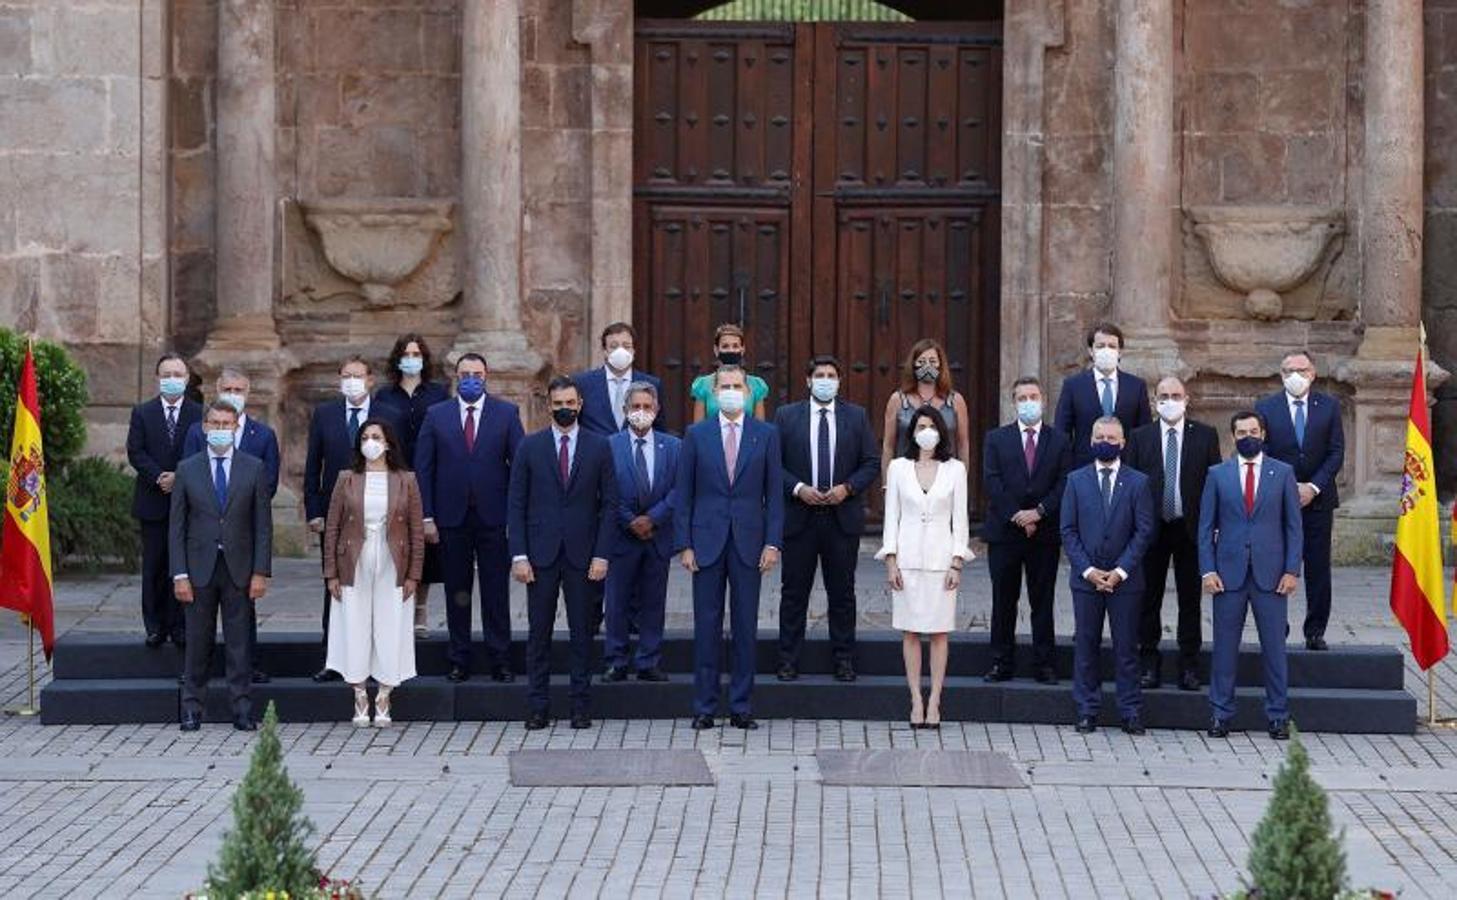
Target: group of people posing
x=408, y=486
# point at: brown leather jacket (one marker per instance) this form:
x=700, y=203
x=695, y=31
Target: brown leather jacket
x=344, y=528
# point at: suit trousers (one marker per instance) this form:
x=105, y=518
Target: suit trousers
x=219, y=595
x=328, y=600
x=564, y=580
x=161, y=614
x=471, y=552
x=1171, y=543
x=822, y=543
x=1230, y=608
x=637, y=590
x=1006, y=562
x=1120, y=608
x=732, y=574
x=1317, y=525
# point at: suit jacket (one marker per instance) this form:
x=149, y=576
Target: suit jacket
x=655, y=502
x=1009, y=488
x=710, y=514
x=1080, y=405
x=258, y=440
x=452, y=480
x=151, y=454
x=1318, y=461
x=1114, y=536
x=331, y=451
x=1263, y=545
x=549, y=519
x=1198, y=450
x=404, y=528
x=923, y=529
x=856, y=462
x=243, y=527
x=597, y=399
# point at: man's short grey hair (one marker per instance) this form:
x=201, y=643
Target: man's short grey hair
x=723, y=369
x=639, y=387
x=233, y=373
x=1108, y=420
x=1175, y=379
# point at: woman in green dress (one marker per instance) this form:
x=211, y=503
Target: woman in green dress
x=728, y=347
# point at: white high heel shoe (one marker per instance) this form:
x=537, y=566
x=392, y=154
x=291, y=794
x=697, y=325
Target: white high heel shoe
x=361, y=706
x=382, y=707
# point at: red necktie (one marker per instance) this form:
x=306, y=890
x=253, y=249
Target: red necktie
x=1249, y=488
x=470, y=429
x=564, y=460
x=1029, y=449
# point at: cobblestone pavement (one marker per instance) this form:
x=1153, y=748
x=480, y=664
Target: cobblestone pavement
x=427, y=809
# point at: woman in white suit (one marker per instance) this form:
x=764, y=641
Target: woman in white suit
x=925, y=547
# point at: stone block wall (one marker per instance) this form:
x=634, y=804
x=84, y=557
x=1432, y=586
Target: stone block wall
x=191, y=101
x=1439, y=259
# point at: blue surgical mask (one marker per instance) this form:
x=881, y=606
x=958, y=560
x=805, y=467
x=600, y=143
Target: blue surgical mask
x=824, y=389
x=220, y=438
x=1106, y=451
x=1029, y=412
x=172, y=386
x=411, y=365
x=1249, y=447
x=471, y=389
x=731, y=401
x=236, y=401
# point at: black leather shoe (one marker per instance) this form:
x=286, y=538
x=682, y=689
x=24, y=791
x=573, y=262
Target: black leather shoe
x=1149, y=680
x=1133, y=725
x=1219, y=728
x=581, y=720
x=787, y=673
x=1279, y=731
x=244, y=723
x=652, y=674
x=261, y=677
x=536, y=721
x=457, y=674
x=154, y=641
x=1046, y=675
x=326, y=675
x=744, y=721
x=190, y=722
x=503, y=674
x=702, y=723
x=844, y=671
x=615, y=674
x=999, y=673
x=1087, y=725
x=1189, y=681
x=1316, y=643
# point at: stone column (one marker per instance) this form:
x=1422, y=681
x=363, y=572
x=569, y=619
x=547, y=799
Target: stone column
x=490, y=138
x=1145, y=183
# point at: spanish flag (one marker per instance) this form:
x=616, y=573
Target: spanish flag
x=25, y=541
x=1418, y=584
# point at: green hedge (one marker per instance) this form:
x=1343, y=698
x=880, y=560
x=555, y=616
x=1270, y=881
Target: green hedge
x=63, y=397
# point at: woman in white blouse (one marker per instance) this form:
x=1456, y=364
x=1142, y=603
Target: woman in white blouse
x=925, y=546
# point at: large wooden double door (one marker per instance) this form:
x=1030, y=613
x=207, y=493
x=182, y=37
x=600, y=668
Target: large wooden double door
x=832, y=187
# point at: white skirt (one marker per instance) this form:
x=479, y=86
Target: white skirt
x=925, y=606
x=371, y=627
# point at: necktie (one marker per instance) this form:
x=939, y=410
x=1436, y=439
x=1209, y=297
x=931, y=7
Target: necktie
x=1029, y=450
x=617, y=413
x=1249, y=488
x=823, y=466
x=220, y=483
x=1300, y=422
x=1171, y=477
x=1107, y=473
x=644, y=474
x=564, y=459
x=354, y=412
x=1107, y=396
x=171, y=424
x=731, y=450
x=470, y=429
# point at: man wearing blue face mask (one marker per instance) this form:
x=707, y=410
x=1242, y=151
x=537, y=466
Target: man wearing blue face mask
x=154, y=443
x=830, y=460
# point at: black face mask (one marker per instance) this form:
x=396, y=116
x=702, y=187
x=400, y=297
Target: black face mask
x=730, y=358
x=564, y=417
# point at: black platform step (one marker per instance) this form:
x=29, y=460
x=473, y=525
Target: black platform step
x=295, y=655
x=132, y=700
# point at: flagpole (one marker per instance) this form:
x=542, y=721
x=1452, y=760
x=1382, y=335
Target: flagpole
x=1432, y=697
x=30, y=708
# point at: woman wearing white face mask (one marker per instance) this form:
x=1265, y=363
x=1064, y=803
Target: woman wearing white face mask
x=925, y=546
x=374, y=550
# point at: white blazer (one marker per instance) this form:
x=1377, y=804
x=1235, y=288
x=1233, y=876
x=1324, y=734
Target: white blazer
x=925, y=529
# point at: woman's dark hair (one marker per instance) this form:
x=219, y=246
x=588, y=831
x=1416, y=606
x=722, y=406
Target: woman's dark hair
x=427, y=372
x=943, y=446
x=393, y=453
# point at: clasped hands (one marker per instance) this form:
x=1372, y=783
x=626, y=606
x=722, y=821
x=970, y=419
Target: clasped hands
x=1027, y=520
x=809, y=496
x=1105, y=580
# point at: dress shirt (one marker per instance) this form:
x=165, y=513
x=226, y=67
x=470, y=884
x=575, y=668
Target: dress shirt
x=238, y=432
x=1098, y=471
x=1178, y=429
x=477, y=406
x=363, y=408
x=814, y=442
x=212, y=467
x=617, y=392
x=1290, y=405
x=1098, y=385
x=556, y=444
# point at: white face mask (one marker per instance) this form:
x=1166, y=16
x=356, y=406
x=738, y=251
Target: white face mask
x=1297, y=384
x=372, y=449
x=620, y=358
x=352, y=388
x=640, y=419
x=236, y=401
x=927, y=438
x=1171, y=410
x=731, y=401
x=1105, y=359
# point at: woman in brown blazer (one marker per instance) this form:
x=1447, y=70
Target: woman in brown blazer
x=374, y=550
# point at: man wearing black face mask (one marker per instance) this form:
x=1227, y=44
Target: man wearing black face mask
x=560, y=526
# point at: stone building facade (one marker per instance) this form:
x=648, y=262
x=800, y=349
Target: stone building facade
x=280, y=183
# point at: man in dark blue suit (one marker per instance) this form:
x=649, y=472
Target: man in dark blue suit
x=332, y=431
x=1305, y=433
x=463, y=460
x=153, y=447
x=1250, y=542
x=1024, y=469
x=729, y=517
x=1107, y=523
x=562, y=508
x=831, y=459
x=604, y=389
x=1103, y=390
x=637, y=573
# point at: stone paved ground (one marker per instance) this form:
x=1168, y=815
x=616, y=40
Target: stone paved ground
x=426, y=809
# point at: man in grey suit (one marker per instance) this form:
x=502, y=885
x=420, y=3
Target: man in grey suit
x=221, y=542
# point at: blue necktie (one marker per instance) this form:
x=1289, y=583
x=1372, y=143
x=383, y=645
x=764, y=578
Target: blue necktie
x=1107, y=396
x=220, y=483
x=1171, y=478
x=822, y=453
x=1300, y=422
x=353, y=423
x=1107, y=474
x=644, y=477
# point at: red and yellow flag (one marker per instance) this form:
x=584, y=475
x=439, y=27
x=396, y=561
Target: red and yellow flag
x=25, y=541
x=1418, y=584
